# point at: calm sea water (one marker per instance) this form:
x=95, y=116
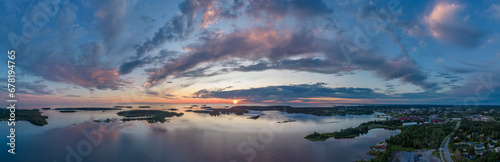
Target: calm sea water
x=191, y=137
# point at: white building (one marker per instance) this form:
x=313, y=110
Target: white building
x=409, y=124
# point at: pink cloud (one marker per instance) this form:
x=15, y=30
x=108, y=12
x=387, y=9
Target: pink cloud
x=442, y=14
x=444, y=24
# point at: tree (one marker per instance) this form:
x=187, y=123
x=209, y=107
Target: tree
x=470, y=150
x=458, y=154
x=452, y=146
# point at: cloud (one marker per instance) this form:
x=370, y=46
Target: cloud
x=33, y=88
x=478, y=88
x=299, y=93
x=213, y=12
x=316, y=65
x=72, y=95
x=253, y=43
x=451, y=79
x=389, y=88
x=129, y=66
x=464, y=66
x=146, y=19
x=309, y=8
x=275, y=9
x=365, y=11
x=405, y=69
x=279, y=9
x=181, y=25
x=494, y=11
x=402, y=67
x=84, y=68
x=201, y=72
x=111, y=16
x=74, y=50
x=66, y=17
x=276, y=47
x=444, y=24
x=286, y=93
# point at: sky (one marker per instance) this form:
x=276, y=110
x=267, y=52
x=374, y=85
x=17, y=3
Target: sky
x=293, y=52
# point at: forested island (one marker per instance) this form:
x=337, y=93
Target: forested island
x=87, y=109
x=363, y=128
x=33, y=116
x=317, y=111
x=151, y=116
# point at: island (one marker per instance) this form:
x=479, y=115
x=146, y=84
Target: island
x=107, y=120
x=216, y=112
x=144, y=107
x=86, y=109
x=317, y=111
x=46, y=108
x=67, y=111
x=152, y=116
x=254, y=117
x=287, y=121
x=32, y=116
x=363, y=128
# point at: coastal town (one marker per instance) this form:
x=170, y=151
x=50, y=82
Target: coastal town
x=429, y=133
x=467, y=134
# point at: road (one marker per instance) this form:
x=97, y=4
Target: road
x=444, y=150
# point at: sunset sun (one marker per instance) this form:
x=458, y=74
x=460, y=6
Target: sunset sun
x=235, y=102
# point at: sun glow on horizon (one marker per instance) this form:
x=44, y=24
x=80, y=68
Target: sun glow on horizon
x=235, y=101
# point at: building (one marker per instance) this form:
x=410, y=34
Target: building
x=437, y=121
x=409, y=124
x=470, y=157
x=479, y=147
x=404, y=118
x=479, y=153
x=491, y=145
x=381, y=145
x=497, y=149
x=463, y=148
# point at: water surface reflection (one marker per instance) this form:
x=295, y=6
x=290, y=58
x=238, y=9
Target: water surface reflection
x=191, y=137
